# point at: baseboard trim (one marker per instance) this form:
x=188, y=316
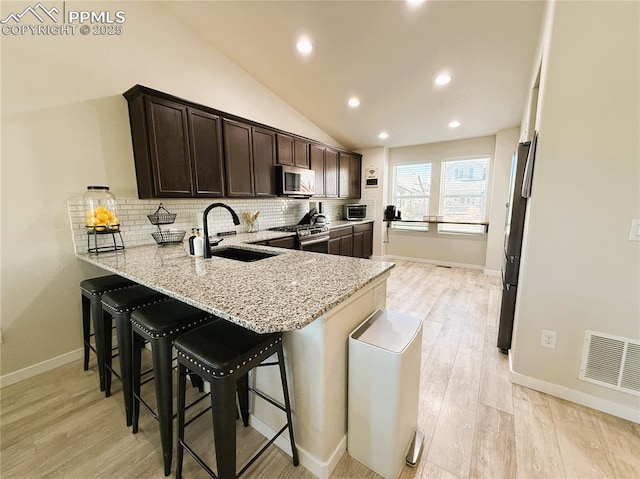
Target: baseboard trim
x=43, y=367
x=433, y=261
x=492, y=272
x=320, y=469
x=572, y=395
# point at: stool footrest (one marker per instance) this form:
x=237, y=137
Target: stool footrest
x=268, y=399
x=197, y=458
x=264, y=448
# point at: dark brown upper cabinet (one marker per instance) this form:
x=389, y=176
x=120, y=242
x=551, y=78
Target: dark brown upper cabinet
x=264, y=161
x=250, y=157
x=238, y=158
x=177, y=149
x=349, y=175
x=331, y=173
x=324, y=161
x=205, y=132
x=285, y=149
x=186, y=150
x=316, y=162
x=301, y=153
x=292, y=151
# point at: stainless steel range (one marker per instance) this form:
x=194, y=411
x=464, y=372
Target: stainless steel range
x=313, y=238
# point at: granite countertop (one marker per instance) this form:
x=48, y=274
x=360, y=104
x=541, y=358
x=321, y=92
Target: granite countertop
x=280, y=293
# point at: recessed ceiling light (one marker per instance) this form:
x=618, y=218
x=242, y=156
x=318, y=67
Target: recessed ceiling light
x=442, y=79
x=454, y=124
x=353, y=102
x=304, y=46
x=414, y=2
x=383, y=135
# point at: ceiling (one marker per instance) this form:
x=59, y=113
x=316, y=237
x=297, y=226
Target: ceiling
x=387, y=53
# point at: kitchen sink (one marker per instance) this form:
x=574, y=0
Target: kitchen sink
x=241, y=254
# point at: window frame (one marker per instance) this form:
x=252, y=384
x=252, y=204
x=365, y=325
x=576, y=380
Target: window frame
x=463, y=229
x=413, y=225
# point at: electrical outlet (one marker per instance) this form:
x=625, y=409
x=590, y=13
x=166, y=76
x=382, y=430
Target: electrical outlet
x=548, y=339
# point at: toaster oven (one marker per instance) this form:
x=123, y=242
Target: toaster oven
x=355, y=212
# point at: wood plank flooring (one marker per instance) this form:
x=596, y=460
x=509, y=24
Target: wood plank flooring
x=477, y=424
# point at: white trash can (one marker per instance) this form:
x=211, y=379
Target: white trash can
x=384, y=384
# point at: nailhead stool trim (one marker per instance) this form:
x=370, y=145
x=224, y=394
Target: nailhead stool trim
x=221, y=353
x=91, y=293
x=160, y=324
x=117, y=306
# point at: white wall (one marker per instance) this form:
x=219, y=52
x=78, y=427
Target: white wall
x=506, y=144
x=376, y=197
x=580, y=271
x=65, y=125
x=464, y=250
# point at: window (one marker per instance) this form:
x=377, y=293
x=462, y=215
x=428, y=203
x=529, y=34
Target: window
x=411, y=190
x=463, y=194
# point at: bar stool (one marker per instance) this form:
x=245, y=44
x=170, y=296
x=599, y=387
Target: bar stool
x=220, y=353
x=117, y=307
x=91, y=293
x=160, y=324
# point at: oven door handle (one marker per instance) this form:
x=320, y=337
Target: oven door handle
x=313, y=241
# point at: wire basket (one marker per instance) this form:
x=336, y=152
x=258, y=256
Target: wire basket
x=162, y=218
x=167, y=237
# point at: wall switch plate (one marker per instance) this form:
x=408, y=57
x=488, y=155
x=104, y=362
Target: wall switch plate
x=634, y=233
x=548, y=339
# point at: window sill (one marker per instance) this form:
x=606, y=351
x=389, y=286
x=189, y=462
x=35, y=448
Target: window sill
x=417, y=225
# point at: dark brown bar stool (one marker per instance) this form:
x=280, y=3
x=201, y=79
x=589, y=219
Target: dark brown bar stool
x=160, y=324
x=92, y=291
x=117, y=308
x=222, y=353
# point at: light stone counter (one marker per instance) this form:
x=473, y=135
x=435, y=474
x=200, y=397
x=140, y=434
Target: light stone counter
x=280, y=293
x=316, y=299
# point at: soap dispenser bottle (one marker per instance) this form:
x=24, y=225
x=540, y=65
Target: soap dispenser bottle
x=198, y=244
x=191, y=240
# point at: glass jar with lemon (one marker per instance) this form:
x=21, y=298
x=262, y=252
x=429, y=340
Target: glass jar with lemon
x=101, y=210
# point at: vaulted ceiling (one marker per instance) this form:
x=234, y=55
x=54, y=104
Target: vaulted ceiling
x=386, y=53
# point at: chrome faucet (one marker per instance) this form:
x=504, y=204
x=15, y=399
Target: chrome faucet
x=207, y=243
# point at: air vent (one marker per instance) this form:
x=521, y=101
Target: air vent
x=611, y=361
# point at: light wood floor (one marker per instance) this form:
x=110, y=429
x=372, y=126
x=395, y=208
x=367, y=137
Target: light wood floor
x=477, y=424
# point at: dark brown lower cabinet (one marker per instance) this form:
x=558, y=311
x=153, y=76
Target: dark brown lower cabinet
x=288, y=242
x=363, y=240
x=356, y=240
x=341, y=241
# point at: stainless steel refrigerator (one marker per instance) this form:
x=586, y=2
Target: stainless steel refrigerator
x=514, y=226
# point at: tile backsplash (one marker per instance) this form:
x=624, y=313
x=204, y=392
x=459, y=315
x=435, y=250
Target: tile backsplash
x=136, y=229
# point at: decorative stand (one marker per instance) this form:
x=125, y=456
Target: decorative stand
x=116, y=243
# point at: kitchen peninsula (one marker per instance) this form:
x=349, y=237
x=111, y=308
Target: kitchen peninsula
x=315, y=299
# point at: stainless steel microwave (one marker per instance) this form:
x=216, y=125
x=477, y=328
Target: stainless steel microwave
x=294, y=181
x=355, y=212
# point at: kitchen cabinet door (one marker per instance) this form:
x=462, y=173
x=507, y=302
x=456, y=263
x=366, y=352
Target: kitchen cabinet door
x=349, y=175
x=238, y=158
x=264, y=161
x=316, y=162
x=355, y=176
x=367, y=246
x=168, y=148
x=205, y=141
x=285, y=149
x=330, y=173
x=334, y=246
x=301, y=153
x=363, y=240
x=341, y=241
x=288, y=242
